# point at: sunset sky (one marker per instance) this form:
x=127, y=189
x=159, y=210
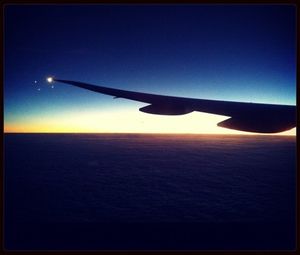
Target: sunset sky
x=222, y=52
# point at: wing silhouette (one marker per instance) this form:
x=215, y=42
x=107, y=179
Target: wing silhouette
x=250, y=117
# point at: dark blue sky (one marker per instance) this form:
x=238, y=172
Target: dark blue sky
x=232, y=52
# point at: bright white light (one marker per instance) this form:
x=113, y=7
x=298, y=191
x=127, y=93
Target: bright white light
x=49, y=79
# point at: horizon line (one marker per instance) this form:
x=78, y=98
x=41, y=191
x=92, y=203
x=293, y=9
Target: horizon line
x=155, y=133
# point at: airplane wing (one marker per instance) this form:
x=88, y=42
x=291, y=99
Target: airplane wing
x=250, y=117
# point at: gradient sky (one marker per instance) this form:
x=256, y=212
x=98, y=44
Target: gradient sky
x=225, y=52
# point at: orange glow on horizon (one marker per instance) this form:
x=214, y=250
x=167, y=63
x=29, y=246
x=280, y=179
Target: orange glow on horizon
x=125, y=121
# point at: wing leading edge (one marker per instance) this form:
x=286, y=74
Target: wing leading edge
x=251, y=117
